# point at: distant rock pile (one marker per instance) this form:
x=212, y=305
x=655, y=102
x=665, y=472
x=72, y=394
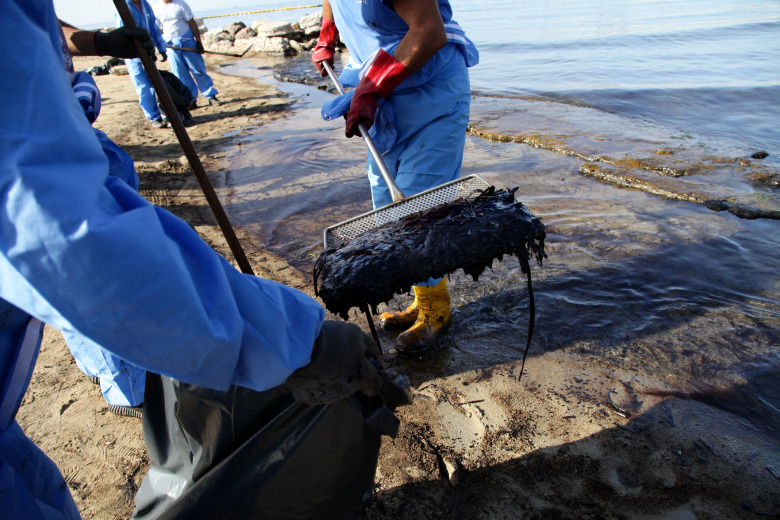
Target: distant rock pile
x=282, y=38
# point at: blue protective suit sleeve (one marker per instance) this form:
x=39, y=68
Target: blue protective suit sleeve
x=84, y=253
x=146, y=20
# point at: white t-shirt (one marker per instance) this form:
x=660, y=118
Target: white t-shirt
x=173, y=17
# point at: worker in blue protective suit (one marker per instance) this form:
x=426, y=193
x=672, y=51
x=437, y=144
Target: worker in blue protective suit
x=144, y=18
x=82, y=252
x=180, y=29
x=409, y=63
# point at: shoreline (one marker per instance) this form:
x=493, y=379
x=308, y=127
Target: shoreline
x=569, y=441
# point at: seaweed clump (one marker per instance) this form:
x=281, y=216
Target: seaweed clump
x=463, y=234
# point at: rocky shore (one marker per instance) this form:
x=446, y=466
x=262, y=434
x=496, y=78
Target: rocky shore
x=281, y=38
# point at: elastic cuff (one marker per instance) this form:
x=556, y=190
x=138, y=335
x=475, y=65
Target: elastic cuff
x=385, y=73
x=327, y=24
x=94, y=43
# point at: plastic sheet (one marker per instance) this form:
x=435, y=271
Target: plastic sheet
x=242, y=454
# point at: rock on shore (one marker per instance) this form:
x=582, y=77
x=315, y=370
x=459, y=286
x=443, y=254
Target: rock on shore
x=282, y=38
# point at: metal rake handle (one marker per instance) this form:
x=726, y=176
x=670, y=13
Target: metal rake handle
x=394, y=191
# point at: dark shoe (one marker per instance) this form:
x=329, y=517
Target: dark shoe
x=159, y=123
x=95, y=380
x=213, y=101
x=193, y=105
x=127, y=411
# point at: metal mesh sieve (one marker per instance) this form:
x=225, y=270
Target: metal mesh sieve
x=465, y=188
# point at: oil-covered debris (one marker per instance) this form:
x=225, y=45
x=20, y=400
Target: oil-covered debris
x=464, y=234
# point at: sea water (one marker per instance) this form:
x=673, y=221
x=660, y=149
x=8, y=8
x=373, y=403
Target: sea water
x=702, y=68
x=620, y=123
x=709, y=69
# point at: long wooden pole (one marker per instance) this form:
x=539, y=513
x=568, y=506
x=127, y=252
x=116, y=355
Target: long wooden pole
x=186, y=143
x=210, y=52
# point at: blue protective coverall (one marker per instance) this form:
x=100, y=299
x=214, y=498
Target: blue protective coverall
x=83, y=252
x=187, y=65
x=420, y=129
x=143, y=85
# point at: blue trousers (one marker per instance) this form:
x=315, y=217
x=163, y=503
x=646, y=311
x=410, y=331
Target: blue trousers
x=121, y=382
x=187, y=65
x=144, y=89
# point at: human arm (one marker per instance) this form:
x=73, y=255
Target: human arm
x=425, y=37
x=426, y=34
x=145, y=20
x=196, y=34
x=118, y=43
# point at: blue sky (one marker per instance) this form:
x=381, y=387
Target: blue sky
x=83, y=13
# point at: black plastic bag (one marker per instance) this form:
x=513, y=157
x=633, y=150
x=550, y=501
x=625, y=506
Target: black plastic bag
x=180, y=95
x=242, y=454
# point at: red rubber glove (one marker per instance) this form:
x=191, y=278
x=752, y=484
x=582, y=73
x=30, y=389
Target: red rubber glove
x=326, y=46
x=384, y=74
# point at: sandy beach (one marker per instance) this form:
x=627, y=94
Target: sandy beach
x=567, y=441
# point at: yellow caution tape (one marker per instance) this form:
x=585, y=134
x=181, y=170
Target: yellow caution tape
x=261, y=11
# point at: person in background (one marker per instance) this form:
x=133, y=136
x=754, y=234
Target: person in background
x=144, y=18
x=180, y=29
x=83, y=252
x=409, y=63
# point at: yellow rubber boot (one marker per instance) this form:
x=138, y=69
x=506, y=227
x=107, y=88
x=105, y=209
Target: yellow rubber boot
x=433, y=318
x=399, y=320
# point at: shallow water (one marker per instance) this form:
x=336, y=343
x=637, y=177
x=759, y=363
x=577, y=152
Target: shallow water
x=664, y=288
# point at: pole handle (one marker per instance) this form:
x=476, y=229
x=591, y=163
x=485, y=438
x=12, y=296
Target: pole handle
x=396, y=193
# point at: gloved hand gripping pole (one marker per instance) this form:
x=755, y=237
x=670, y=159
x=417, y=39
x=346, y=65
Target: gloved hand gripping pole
x=394, y=191
x=186, y=143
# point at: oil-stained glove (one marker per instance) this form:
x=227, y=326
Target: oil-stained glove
x=326, y=46
x=199, y=47
x=164, y=56
x=339, y=367
x=384, y=74
x=119, y=42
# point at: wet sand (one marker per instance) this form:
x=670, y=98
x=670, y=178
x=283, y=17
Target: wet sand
x=573, y=439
